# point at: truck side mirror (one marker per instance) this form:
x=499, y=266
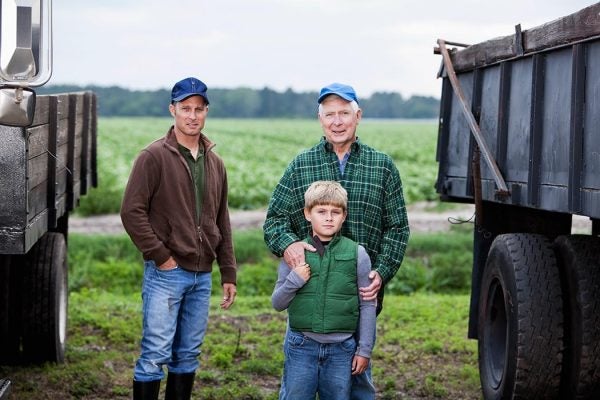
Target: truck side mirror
x=25, y=57
x=17, y=106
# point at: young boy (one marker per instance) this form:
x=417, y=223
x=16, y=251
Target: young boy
x=331, y=330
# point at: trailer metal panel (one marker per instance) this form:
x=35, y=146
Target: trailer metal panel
x=539, y=116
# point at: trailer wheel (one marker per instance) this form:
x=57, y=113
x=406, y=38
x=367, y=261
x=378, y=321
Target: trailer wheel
x=580, y=268
x=520, y=320
x=45, y=304
x=10, y=310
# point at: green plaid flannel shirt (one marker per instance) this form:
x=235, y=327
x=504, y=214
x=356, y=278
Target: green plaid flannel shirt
x=376, y=209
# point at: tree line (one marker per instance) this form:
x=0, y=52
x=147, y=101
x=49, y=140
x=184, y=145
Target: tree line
x=248, y=103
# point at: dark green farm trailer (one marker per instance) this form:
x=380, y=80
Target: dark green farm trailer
x=44, y=170
x=519, y=137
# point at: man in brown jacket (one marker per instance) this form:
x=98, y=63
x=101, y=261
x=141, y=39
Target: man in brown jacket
x=175, y=211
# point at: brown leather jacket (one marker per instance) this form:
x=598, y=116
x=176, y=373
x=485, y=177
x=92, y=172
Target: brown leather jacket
x=159, y=212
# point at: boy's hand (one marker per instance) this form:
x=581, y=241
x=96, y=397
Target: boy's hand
x=359, y=365
x=303, y=271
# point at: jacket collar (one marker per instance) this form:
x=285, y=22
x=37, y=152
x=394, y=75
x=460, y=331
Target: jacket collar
x=171, y=140
x=316, y=242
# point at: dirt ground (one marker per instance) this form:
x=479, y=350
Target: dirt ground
x=420, y=218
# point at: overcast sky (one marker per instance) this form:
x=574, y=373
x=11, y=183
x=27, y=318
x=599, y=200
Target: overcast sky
x=374, y=45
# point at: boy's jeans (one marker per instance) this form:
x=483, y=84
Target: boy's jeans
x=175, y=314
x=311, y=367
x=362, y=386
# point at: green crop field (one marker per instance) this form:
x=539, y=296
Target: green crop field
x=256, y=153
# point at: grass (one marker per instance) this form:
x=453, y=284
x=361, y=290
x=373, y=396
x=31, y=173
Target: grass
x=435, y=262
x=421, y=353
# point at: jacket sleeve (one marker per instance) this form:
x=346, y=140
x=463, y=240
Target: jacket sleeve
x=278, y=233
x=143, y=180
x=395, y=228
x=225, y=252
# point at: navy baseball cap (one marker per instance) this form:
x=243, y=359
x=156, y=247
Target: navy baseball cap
x=346, y=92
x=189, y=87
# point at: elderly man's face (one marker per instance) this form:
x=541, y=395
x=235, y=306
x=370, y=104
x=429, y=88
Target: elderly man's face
x=339, y=121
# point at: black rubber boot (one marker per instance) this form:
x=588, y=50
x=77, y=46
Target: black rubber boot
x=179, y=386
x=146, y=390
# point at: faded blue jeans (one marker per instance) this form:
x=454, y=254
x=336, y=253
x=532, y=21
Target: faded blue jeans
x=175, y=307
x=362, y=384
x=311, y=367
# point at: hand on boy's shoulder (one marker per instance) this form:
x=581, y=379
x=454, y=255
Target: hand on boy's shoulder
x=294, y=253
x=303, y=271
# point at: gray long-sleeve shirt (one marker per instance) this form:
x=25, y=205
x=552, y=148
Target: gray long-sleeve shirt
x=289, y=282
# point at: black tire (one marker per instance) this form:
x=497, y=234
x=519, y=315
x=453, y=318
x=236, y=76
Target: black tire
x=579, y=263
x=10, y=310
x=520, y=320
x=46, y=301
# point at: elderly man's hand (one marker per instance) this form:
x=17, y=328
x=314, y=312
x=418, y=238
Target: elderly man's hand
x=294, y=254
x=370, y=292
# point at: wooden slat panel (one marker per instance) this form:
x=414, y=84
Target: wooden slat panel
x=63, y=131
x=61, y=181
x=30, y=207
x=94, y=130
x=63, y=106
x=52, y=162
x=578, y=26
x=37, y=200
x=61, y=169
x=35, y=229
x=37, y=170
x=40, y=116
x=85, y=145
x=71, y=151
x=37, y=140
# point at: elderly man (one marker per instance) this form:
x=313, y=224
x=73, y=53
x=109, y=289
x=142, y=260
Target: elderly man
x=376, y=210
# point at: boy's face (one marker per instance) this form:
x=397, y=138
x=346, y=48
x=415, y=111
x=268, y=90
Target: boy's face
x=326, y=220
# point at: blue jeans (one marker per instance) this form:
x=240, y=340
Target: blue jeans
x=175, y=315
x=362, y=384
x=311, y=367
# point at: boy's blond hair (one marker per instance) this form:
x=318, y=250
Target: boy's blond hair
x=325, y=193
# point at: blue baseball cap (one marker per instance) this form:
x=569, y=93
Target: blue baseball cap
x=346, y=92
x=189, y=87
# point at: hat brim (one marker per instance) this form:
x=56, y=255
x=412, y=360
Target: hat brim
x=185, y=96
x=342, y=95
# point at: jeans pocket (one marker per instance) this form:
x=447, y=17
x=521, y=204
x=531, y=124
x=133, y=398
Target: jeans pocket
x=296, y=339
x=348, y=345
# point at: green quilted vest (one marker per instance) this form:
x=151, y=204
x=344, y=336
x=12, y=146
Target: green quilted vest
x=328, y=302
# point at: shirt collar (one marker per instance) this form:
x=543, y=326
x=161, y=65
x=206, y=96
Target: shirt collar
x=354, y=147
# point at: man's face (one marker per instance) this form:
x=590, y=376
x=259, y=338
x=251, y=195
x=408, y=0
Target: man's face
x=190, y=115
x=326, y=220
x=339, y=120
